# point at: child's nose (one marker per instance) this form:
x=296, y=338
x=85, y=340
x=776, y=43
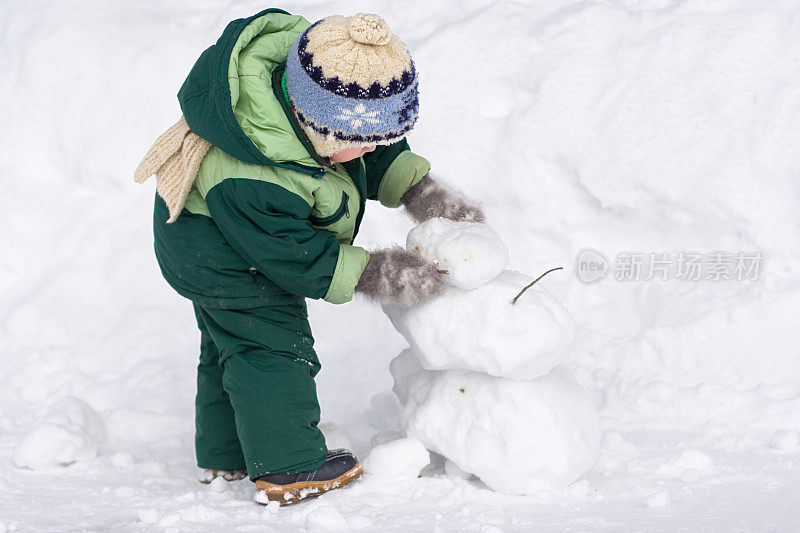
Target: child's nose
x=369, y=148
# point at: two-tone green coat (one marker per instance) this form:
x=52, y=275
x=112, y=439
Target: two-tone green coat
x=263, y=200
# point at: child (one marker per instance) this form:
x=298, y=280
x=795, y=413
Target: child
x=288, y=129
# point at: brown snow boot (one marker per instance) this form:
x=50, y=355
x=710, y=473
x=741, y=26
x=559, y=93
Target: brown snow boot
x=340, y=468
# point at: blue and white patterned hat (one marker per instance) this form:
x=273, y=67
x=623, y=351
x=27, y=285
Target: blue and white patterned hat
x=352, y=83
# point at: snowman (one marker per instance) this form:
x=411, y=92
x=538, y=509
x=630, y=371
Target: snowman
x=480, y=383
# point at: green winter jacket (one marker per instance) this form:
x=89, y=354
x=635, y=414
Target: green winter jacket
x=268, y=217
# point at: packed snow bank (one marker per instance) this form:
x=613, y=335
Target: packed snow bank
x=648, y=126
x=470, y=253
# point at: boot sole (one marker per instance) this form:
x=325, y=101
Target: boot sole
x=295, y=492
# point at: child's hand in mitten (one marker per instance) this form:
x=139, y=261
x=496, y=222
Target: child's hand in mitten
x=398, y=276
x=430, y=199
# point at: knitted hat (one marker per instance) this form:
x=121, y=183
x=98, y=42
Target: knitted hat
x=352, y=83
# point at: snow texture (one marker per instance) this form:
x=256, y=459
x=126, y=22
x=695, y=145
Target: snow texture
x=481, y=330
x=397, y=460
x=518, y=437
x=618, y=125
x=470, y=253
x=71, y=432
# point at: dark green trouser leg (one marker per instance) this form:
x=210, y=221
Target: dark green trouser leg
x=216, y=442
x=268, y=368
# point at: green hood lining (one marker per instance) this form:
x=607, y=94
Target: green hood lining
x=282, y=95
x=205, y=100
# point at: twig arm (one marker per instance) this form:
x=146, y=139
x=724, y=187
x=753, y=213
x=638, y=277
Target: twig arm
x=532, y=283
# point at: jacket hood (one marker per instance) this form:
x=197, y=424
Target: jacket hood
x=228, y=97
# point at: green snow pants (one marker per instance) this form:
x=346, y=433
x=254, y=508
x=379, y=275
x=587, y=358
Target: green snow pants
x=256, y=406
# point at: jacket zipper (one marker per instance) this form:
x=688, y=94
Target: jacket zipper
x=342, y=210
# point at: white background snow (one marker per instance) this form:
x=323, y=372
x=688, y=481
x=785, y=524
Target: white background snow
x=617, y=125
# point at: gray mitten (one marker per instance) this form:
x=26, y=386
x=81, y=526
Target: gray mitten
x=429, y=199
x=398, y=276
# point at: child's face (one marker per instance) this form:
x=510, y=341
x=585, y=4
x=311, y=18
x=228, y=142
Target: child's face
x=351, y=153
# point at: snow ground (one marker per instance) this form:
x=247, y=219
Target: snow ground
x=618, y=125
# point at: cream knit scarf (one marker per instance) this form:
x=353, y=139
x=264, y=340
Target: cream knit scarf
x=174, y=158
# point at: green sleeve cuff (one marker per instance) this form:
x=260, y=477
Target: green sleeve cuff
x=349, y=266
x=404, y=172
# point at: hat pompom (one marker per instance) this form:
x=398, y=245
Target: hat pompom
x=369, y=29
